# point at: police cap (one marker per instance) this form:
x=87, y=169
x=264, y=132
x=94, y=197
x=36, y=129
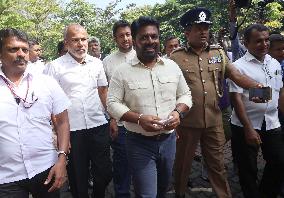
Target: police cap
x=195, y=16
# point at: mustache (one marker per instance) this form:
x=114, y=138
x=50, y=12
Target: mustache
x=20, y=60
x=154, y=46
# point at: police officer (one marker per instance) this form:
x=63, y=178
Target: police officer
x=204, y=67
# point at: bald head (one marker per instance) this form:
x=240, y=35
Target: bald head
x=76, y=41
x=72, y=28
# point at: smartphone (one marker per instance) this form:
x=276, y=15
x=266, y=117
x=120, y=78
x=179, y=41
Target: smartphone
x=264, y=93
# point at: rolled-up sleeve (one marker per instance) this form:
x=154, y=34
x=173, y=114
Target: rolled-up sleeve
x=183, y=92
x=115, y=105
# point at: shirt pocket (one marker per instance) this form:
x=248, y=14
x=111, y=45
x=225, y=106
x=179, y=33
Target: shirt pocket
x=214, y=70
x=190, y=74
x=137, y=90
x=168, y=87
x=277, y=84
x=40, y=111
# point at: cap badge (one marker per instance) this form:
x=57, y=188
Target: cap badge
x=202, y=16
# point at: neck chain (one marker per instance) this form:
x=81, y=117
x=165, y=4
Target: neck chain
x=17, y=97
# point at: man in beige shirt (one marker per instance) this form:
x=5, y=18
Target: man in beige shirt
x=121, y=177
x=149, y=94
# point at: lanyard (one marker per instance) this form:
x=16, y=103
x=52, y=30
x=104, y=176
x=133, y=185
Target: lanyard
x=13, y=91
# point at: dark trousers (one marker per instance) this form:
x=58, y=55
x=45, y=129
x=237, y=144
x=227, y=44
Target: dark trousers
x=246, y=158
x=121, y=172
x=35, y=186
x=151, y=162
x=89, y=145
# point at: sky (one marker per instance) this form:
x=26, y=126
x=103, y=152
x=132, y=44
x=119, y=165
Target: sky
x=124, y=3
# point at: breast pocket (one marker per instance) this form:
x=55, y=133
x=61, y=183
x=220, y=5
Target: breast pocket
x=190, y=74
x=168, y=87
x=137, y=89
x=214, y=71
x=40, y=111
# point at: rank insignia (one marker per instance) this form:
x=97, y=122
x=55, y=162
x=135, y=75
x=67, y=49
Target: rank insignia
x=215, y=59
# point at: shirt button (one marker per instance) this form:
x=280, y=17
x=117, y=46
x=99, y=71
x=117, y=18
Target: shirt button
x=200, y=59
x=203, y=81
x=205, y=93
x=201, y=69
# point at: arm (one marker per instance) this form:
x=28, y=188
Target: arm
x=281, y=100
x=103, y=95
x=58, y=171
x=237, y=48
x=251, y=136
x=240, y=79
x=120, y=111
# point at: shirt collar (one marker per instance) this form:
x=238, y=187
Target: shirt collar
x=135, y=61
x=249, y=57
x=69, y=58
x=125, y=53
x=25, y=74
x=189, y=48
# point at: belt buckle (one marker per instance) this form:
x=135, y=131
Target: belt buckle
x=158, y=137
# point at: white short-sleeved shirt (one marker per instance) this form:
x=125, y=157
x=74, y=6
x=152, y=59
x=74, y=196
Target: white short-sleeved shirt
x=26, y=144
x=267, y=73
x=112, y=61
x=80, y=82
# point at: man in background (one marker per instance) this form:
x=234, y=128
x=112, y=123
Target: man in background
x=121, y=173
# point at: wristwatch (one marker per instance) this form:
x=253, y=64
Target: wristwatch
x=181, y=116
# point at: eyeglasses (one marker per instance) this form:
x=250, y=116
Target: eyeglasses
x=18, y=99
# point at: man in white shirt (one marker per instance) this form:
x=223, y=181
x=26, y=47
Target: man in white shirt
x=149, y=94
x=121, y=177
x=83, y=79
x=36, y=64
x=29, y=162
x=256, y=125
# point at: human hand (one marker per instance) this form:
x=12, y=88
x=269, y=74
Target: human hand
x=59, y=173
x=150, y=123
x=252, y=137
x=113, y=129
x=173, y=121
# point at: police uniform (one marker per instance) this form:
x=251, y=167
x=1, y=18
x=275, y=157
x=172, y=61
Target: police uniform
x=204, y=74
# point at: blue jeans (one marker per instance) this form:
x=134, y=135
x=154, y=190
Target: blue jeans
x=151, y=162
x=121, y=173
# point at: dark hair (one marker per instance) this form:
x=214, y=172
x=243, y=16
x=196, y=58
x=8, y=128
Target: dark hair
x=168, y=38
x=141, y=22
x=11, y=32
x=118, y=24
x=250, y=28
x=33, y=42
x=275, y=38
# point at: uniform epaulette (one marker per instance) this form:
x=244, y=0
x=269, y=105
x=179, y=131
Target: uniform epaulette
x=216, y=46
x=179, y=49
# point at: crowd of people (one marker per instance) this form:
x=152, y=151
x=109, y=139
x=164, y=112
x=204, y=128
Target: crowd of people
x=151, y=110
